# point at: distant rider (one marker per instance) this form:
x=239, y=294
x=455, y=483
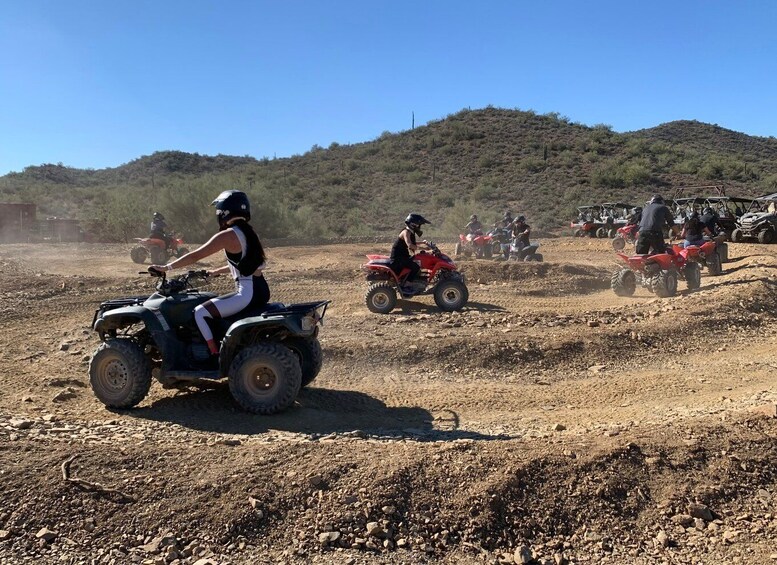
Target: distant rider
x=245, y=262
x=711, y=221
x=159, y=229
x=507, y=219
x=655, y=216
x=694, y=231
x=521, y=231
x=405, y=246
x=474, y=227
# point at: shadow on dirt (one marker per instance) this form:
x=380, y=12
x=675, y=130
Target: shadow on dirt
x=317, y=412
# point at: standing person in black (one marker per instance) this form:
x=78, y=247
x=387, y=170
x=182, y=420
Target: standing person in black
x=405, y=247
x=711, y=220
x=655, y=216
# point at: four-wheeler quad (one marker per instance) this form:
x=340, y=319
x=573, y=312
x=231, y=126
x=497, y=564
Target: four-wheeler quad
x=626, y=234
x=266, y=355
x=658, y=273
x=157, y=249
x=439, y=276
x=520, y=252
x=479, y=245
x=708, y=254
x=500, y=241
x=759, y=222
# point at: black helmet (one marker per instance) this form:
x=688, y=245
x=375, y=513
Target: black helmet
x=158, y=216
x=415, y=221
x=508, y=214
x=694, y=214
x=231, y=204
x=657, y=199
x=520, y=219
x=473, y=217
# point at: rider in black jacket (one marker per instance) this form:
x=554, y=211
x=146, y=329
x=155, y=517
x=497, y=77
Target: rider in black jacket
x=655, y=216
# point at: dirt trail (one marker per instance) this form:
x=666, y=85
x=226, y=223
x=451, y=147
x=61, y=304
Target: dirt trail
x=550, y=416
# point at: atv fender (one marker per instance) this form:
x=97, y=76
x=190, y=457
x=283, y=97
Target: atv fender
x=155, y=324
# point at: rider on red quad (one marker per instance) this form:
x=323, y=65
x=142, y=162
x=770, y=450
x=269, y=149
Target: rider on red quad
x=245, y=262
x=694, y=231
x=507, y=220
x=651, y=228
x=474, y=227
x=405, y=247
x=159, y=229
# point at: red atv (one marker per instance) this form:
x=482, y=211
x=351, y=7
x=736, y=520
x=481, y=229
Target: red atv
x=479, y=245
x=658, y=273
x=438, y=276
x=626, y=234
x=157, y=249
x=708, y=254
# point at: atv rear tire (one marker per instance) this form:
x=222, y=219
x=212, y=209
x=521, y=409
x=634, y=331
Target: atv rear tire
x=158, y=256
x=265, y=378
x=139, y=254
x=181, y=251
x=623, y=282
x=601, y=233
x=381, y=298
x=618, y=243
x=664, y=284
x=311, y=358
x=487, y=251
x=714, y=264
x=722, y=250
x=765, y=236
x=692, y=275
x=450, y=295
x=533, y=257
x=119, y=373
x=737, y=236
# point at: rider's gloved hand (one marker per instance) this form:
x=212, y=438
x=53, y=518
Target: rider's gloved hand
x=158, y=269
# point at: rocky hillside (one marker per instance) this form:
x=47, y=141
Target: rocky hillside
x=474, y=161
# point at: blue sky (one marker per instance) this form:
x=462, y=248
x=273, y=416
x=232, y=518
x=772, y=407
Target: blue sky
x=99, y=83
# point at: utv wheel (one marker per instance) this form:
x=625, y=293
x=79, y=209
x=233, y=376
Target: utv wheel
x=692, y=275
x=623, y=282
x=311, y=358
x=381, y=298
x=158, y=256
x=181, y=252
x=737, y=236
x=713, y=264
x=664, y=284
x=450, y=295
x=138, y=254
x=618, y=243
x=765, y=236
x=601, y=233
x=457, y=250
x=119, y=373
x=265, y=378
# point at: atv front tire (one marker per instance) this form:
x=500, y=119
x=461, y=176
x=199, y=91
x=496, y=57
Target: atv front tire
x=450, y=295
x=722, y=250
x=623, y=282
x=265, y=378
x=693, y=275
x=311, y=358
x=119, y=373
x=664, y=284
x=158, y=256
x=138, y=254
x=381, y=298
x=618, y=243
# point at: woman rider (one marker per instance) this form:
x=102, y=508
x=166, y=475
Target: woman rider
x=405, y=246
x=245, y=262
